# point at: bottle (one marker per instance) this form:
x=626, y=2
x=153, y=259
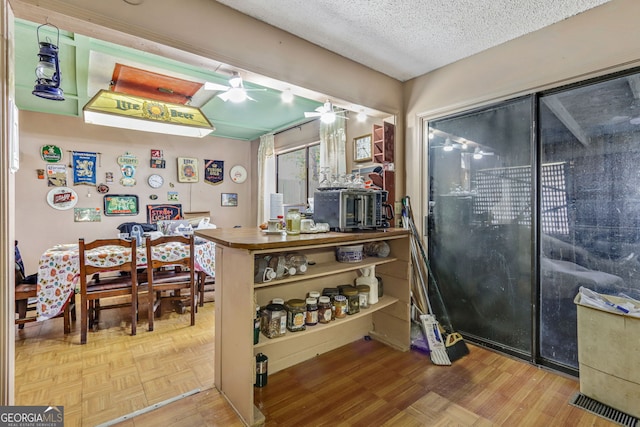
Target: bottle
x=312, y=312
x=296, y=261
x=283, y=224
x=262, y=363
x=369, y=278
x=293, y=222
x=340, y=303
x=256, y=326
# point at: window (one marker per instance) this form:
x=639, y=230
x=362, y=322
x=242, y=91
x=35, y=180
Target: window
x=297, y=174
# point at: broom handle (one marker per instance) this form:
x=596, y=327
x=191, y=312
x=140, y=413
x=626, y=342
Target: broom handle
x=445, y=313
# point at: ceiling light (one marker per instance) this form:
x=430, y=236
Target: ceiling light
x=362, y=117
x=477, y=154
x=121, y=110
x=328, y=117
x=48, y=69
x=448, y=146
x=235, y=80
x=286, y=96
x=236, y=94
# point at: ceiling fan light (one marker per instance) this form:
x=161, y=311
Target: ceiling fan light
x=235, y=81
x=237, y=95
x=286, y=96
x=328, y=118
x=362, y=117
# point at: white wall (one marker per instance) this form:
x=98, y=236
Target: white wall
x=596, y=42
x=38, y=226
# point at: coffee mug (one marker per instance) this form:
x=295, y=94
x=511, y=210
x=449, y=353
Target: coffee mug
x=273, y=225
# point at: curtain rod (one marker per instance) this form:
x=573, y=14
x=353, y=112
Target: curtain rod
x=299, y=125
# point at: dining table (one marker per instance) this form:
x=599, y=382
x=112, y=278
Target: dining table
x=59, y=268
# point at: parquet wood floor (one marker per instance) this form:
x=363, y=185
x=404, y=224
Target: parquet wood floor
x=361, y=384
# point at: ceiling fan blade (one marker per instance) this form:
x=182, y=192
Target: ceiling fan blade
x=215, y=86
x=251, y=99
x=224, y=96
x=312, y=114
x=255, y=89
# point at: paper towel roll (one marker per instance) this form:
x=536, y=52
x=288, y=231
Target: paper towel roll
x=276, y=205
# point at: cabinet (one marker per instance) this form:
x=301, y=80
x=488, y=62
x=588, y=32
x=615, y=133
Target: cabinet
x=236, y=296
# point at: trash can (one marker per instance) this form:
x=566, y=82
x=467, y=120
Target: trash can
x=609, y=354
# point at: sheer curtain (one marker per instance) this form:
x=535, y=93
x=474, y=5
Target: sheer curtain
x=266, y=176
x=333, y=146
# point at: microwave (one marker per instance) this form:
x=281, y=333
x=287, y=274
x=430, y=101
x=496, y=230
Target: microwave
x=350, y=209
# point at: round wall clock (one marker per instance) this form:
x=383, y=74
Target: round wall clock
x=238, y=174
x=155, y=181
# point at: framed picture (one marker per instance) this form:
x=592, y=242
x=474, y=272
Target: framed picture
x=229, y=199
x=362, y=147
x=187, y=169
x=120, y=204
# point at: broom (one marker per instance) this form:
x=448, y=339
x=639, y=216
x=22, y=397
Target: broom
x=454, y=343
x=430, y=327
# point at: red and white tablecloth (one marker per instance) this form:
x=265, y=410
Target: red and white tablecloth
x=59, y=268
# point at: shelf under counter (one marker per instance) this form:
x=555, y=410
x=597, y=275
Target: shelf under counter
x=322, y=269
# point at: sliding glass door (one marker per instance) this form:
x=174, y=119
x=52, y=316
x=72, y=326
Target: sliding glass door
x=514, y=232
x=480, y=221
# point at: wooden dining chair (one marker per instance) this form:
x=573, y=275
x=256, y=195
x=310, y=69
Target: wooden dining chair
x=170, y=271
x=26, y=289
x=106, y=280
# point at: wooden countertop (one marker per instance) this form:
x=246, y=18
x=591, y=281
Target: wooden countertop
x=255, y=239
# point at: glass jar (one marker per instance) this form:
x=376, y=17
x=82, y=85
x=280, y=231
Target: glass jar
x=324, y=309
x=296, y=261
x=340, y=302
x=296, y=315
x=314, y=294
x=363, y=295
x=331, y=293
x=274, y=321
x=312, y=312
x=353, y=300
x=293, y=221
x=256, y=326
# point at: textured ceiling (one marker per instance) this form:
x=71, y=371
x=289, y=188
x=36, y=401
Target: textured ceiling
x=407, y=38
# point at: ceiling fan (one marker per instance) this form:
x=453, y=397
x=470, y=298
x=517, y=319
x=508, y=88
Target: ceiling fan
x=235, y=92
x=326, y=112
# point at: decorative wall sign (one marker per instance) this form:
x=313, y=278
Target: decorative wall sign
x=108, y=177
x=229, y=199
x=102, y=189
x=86, y=215
x=172, y=196
x=57, y=175
x=187, y=169
x=213, y=171
x=238, y=174
x=51, y=153
x=84, y=167
x=120, y=204
x=62, y=198
x=128, y=163
x=157, y=161
x=40, y=173
x=166, y=212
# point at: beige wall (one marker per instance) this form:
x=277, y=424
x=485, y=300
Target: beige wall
x=38, y=226
x=599, y=41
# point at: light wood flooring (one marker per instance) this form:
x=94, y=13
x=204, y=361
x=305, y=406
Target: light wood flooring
x=362, y=384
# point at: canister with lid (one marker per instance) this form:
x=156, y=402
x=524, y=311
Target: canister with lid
x=325, y=313
x=363, y=295
x=274, y=321
x=296, y=315
x=293, y=221
x=353, y=299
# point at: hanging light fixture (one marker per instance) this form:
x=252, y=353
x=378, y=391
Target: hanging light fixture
x=48, y=69
x=448, y=146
